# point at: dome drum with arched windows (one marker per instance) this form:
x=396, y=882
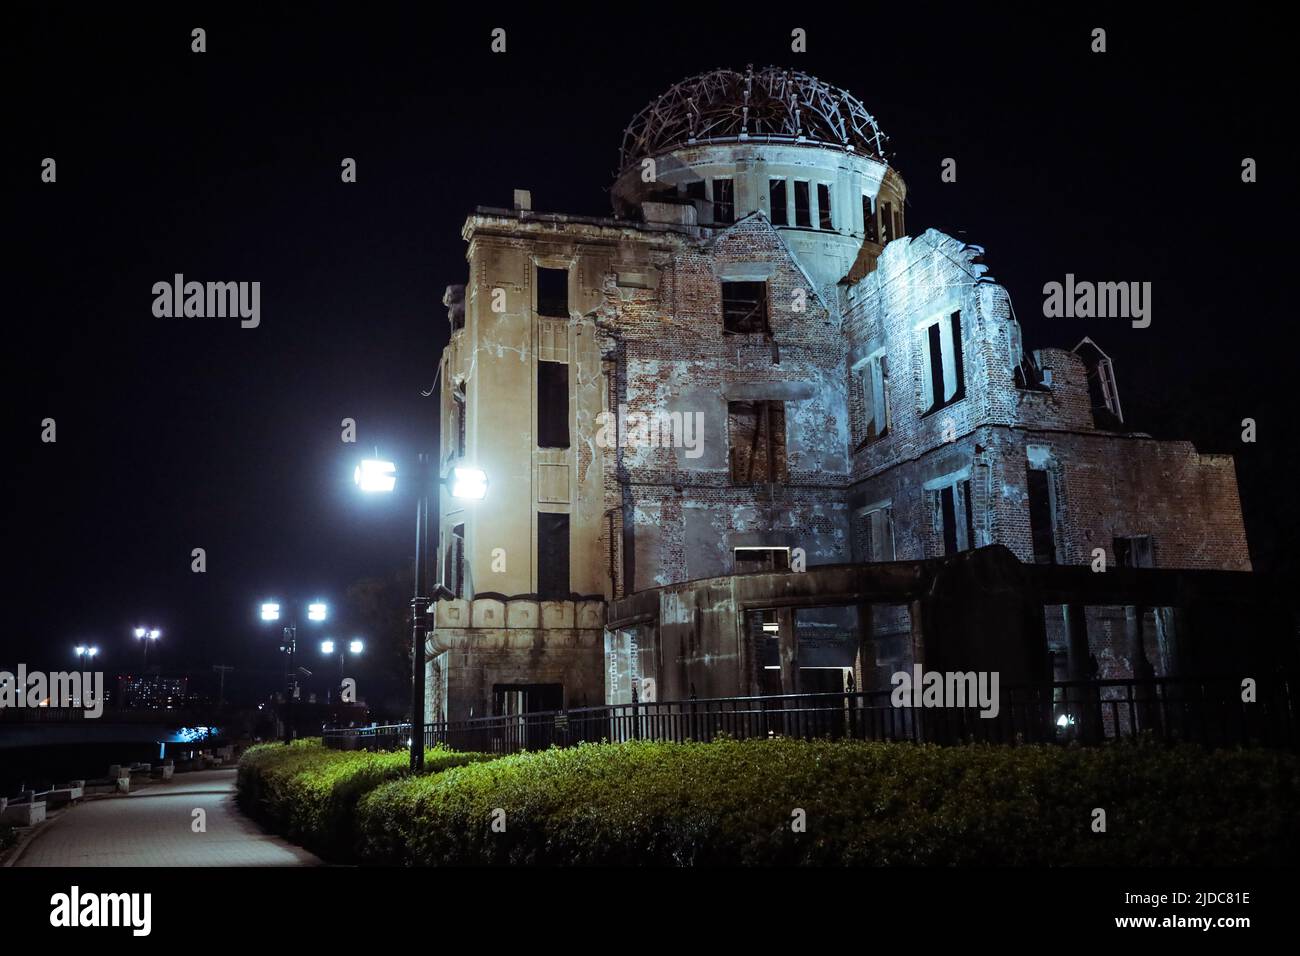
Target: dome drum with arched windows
x=724, y=145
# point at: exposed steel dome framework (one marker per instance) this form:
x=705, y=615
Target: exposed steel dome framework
x=767, y=105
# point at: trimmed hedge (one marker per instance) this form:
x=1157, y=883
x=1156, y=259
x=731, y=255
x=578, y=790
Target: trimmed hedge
x=309, y=792
x=732, y=802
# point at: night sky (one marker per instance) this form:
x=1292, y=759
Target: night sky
x=176, y=433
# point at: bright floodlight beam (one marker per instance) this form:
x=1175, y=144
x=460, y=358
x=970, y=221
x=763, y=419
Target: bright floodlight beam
x=139, y=632
x=92, y=652
x=355, y=647
x=374, y=474
x=327, y=647
x=469, y=483
x=270, y=611
x=316, y=611
x=80, y=649
x=155, y=634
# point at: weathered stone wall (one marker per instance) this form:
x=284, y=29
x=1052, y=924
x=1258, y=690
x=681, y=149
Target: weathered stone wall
x=480, y=644
x=670, y=354
x=1106, y=484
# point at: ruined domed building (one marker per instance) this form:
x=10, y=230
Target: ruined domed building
x=757, y=433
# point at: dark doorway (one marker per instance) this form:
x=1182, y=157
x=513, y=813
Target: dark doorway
x=511, y=699
x=521, y=700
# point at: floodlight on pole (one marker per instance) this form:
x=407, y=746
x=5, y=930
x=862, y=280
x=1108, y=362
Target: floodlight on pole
x=316, y=611
x=327, y=647
x=465, y=482
x=469, y=483
x=375, y=475
x=270, y=611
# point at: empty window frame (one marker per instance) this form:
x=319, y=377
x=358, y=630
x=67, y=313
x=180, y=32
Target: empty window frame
x=887, y=222
x=761, y=559
x=776, y=200
x=802, y=204
x=459, y=411
x=954, y=517
x=694, y=189
x=552, y=556
x=1042, y=514
x=552, y=405
x=898, y=222
x=1104, y=394
x=871, y=399
x=869, y=230
x=824, y=219
x=744, y=307
x=756, y=439
x=876, y=534
x=453, y=574
x=1135, y=551
x=553, y=292
x=943, y=378
x=724, y=201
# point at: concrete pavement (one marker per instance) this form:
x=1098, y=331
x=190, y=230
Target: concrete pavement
x=153, y=827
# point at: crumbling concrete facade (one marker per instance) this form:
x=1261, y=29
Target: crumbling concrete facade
x=752, y=370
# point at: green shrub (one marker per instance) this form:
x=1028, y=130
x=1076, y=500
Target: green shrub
x=732, y=802
x=309, y=792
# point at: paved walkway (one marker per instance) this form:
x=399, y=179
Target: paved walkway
x=152, y=827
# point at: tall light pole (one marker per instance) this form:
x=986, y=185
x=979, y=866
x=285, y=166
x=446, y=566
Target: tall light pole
x=316, y=612
x=464, y=482
x=146, y=636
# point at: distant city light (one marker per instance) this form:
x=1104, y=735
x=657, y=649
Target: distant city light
x=375, y=475
x=316, y=612
x=469, y=483
x=270, y=612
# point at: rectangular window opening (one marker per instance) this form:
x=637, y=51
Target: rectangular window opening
x=756, y=438
x=1134, y=551
x=744, y=307
x=824, y=220
x=761, y=559
x=724, y=201
x=1042, y=526
x=458, y=400
x=552, y=556
x=552, y=405
x=877, y=535
x=869, y=230
x=802, y=205
x=553, y=292
x=776, y=200
x=945, y=371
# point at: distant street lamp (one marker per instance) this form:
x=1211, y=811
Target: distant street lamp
x=377, y=475
x=270, y=611
x=146, y=636
x=329, y=647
